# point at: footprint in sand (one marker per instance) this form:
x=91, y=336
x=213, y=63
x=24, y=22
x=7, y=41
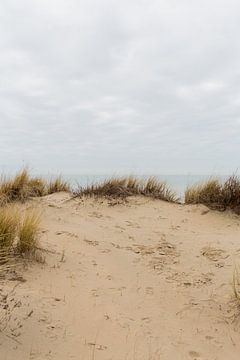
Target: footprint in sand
x=194, y=354
x=91, y=242
x=96, y=215
x=66, y=233
x=215, y=255
x=149, y=290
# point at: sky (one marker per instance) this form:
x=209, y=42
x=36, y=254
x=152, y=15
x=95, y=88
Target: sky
x=105, y=86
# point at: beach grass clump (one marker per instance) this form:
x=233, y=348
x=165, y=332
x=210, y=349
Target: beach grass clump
x=9, y=222
x=18, y=231
x=57, y=185
x=208, y=193
x=123, y=187
x=156, y=189
x=16, y=188
x=28, y=232
x=216, y=194
x=23, y=186
x=37, y=187
x=231, y=193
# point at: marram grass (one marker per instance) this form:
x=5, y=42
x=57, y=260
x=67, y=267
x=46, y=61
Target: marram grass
x=57, y=185
x=28, y=232
x=23, y=186
x=122, y=187
x=18, y=231
x=215, y=194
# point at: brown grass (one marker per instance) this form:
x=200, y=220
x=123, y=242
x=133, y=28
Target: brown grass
x=9, y=221
x=215, y=194
x=28, y=232
x=123, y=187
x=18, y=233
x=57, y=185
x=22, y=186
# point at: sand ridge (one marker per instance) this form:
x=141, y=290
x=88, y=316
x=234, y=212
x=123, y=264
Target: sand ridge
x=143, y=279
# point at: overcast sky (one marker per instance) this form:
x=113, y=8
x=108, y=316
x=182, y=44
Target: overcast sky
x=96, y=86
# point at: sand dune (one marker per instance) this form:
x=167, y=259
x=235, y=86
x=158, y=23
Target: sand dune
x=137, y=280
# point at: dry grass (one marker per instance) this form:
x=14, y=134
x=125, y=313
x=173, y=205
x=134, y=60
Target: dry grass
x=22, y=186
x=208, y=192
x=123, y=187
x=9, y=221
x=28, y=232
x=215, y=194
x=18, y=233
x=57, y=185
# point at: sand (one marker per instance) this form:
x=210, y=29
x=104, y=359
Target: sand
x=140, y=280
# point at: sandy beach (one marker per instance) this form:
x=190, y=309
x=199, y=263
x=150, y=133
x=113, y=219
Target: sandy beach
x=143, y=279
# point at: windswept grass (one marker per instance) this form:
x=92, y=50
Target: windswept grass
x=215, y=194
x=28, y=232
x=124, y=187
x=57, y=185
x=9, y=221
x=18, y=232
x=22, y=186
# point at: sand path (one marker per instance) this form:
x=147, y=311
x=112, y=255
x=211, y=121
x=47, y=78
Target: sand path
x=142, y=280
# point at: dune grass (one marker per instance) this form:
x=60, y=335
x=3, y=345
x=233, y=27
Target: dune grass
x=123, y=187
x=57, y=185
x=9, y=221
x=18, y=232
x=215, y=194
x=28, y=232
x=23, y=186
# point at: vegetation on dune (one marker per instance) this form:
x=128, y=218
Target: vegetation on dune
x=57, y=185
x=18, y=232
x=215, y=194
x=22, y=186
x=9, y=222
x=123, y=187
x=28, y=232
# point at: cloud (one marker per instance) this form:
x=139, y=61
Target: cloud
x=90, y=86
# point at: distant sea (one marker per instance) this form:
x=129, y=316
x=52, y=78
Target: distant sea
x=176, y=182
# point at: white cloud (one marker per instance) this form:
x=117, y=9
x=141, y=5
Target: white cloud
x=110, y=86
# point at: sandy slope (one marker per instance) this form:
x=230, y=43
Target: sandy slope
x=144, y=280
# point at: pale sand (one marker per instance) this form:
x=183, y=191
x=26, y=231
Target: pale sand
x=142, y=280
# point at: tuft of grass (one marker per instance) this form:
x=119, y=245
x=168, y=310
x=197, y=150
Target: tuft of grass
x=9, y=221
x=18, y=232
x=215, y=194
x=37, y=187
x=28, y=232
x=22, y=186
x=57, y=185
x=123, y=187
x=158, y=190
x=16, y=188
x=208, y=192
